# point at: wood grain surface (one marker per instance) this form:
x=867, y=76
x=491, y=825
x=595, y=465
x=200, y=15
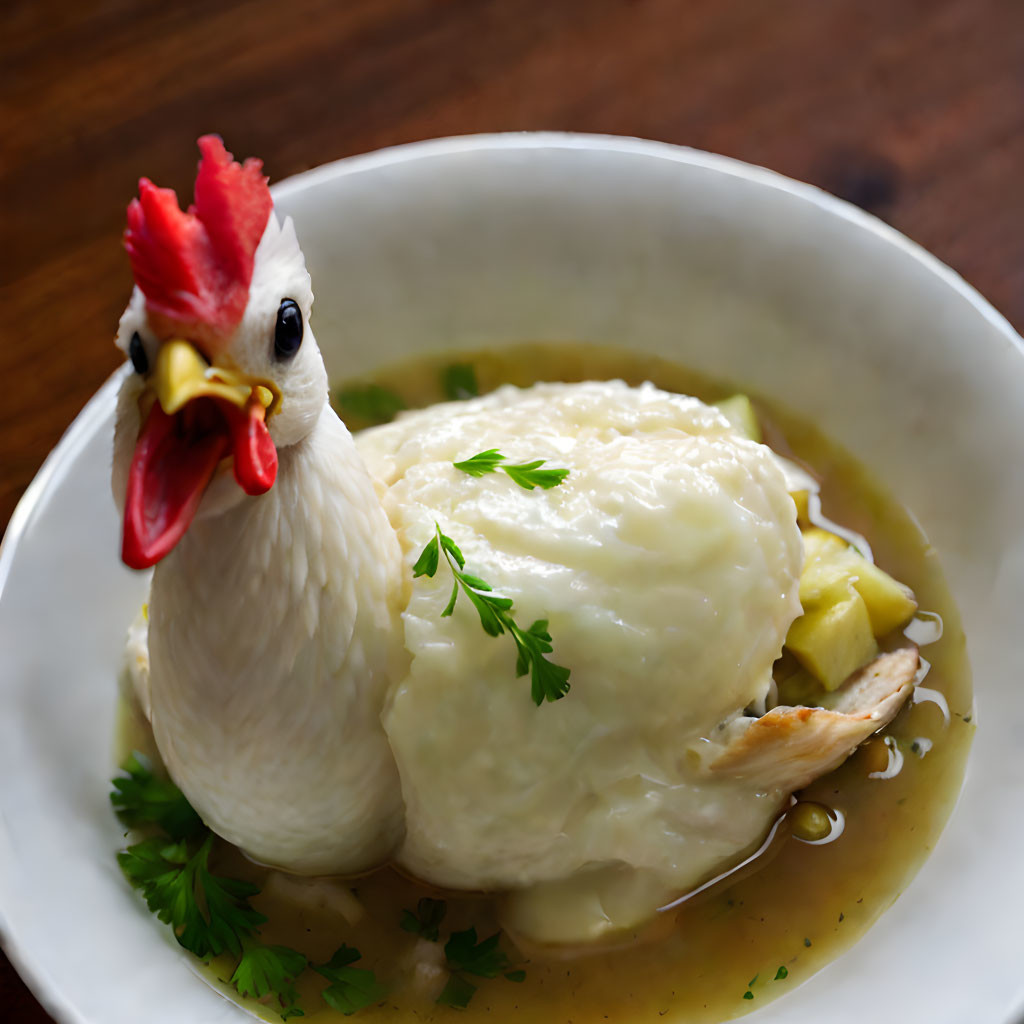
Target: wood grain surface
x=913, y=109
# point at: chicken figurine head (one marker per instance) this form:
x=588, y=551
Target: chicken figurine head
x=328, y=704
x=215, y=335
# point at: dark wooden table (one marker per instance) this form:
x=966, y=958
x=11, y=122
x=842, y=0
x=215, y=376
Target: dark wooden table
x=912, y=108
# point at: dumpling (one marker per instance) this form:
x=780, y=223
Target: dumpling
x=667, y=566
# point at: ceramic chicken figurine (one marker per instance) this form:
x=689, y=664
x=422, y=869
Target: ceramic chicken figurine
x=310, y=695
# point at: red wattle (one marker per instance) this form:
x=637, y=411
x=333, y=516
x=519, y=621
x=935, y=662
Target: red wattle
x=253, y=449
x=170, y=470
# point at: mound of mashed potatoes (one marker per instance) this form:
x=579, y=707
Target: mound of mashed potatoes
x=667, y=565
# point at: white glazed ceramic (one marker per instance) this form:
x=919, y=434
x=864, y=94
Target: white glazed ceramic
x=476, y=241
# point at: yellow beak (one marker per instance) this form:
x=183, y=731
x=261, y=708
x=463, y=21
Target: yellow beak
x=182, y=374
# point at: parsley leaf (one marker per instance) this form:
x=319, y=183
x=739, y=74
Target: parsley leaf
x=227, y=904
x=527, y=475
x=141, y=798
x=146, y=862
x=548, y=681
x=483, y=958
x=209, y=914
x=459, y=382
x=266, y=970
x=467, y=956
x=530, y=475
x=782, y=972
x=351, y=988
x=457, y=992
x=369, y=402
x=452, y=549
x=426, y=922
x=426, y=564
x=481, y=463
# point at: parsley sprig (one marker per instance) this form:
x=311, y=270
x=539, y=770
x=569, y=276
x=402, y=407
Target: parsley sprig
x=211, y=914
x=527, y=474
x=351, y=988
x=481, y=959
x=271, y=970
x=464, y=955
x=548, y=681
x=426, y=921
x=141, y=797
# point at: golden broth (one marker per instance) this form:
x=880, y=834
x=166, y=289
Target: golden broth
x=717, y=955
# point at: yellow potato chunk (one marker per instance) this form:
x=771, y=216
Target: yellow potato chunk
x=820, y=545
x=830, y=564
x=833, y=639
x=889, y=603
x=739, y=411
x=825, y=577
x=848, y=603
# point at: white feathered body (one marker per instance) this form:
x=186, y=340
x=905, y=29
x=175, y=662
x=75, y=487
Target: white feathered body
x=272, y=643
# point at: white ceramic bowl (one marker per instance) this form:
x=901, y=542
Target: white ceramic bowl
x=477, y=241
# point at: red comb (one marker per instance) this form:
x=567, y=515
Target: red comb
x=195, y=267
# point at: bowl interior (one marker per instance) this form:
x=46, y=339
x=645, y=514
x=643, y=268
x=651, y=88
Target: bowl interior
x=485, y=241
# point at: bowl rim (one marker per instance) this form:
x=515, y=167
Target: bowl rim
x=453, y=145
x=31, y=969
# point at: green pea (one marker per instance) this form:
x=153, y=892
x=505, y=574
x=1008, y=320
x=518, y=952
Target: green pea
x=809, y=821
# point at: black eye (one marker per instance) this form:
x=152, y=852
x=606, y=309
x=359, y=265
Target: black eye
x=137, y=354
x=287, y=330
